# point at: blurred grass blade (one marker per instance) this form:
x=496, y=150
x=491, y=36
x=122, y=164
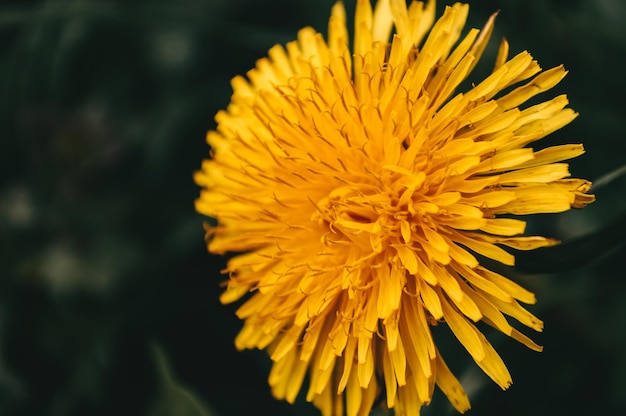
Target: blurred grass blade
x=607, y=178
x=173, y=398
x=576, y=253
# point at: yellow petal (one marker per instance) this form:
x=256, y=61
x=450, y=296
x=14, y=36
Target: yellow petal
x=464, y=331
x=362, y=29
x=510, y=287
x=539, y=174
x=493, y=365
x=490, y=199
x=534, y=199
x=542, y=82
x=554, y=154
x=451, y=387
x=490, y=250
x=431, y=300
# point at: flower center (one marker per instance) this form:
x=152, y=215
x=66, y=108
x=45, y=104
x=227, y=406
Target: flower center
x=376, y=215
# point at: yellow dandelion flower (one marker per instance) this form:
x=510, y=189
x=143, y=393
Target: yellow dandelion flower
x=356, y=187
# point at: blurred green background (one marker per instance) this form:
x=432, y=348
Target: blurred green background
x=108, y=298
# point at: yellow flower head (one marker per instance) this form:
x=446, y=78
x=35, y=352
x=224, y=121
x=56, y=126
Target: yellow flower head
x=357, y=187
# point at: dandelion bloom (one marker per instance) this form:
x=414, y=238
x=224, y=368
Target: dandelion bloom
x=356, y=188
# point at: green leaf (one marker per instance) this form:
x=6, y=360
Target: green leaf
x=174, y=398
